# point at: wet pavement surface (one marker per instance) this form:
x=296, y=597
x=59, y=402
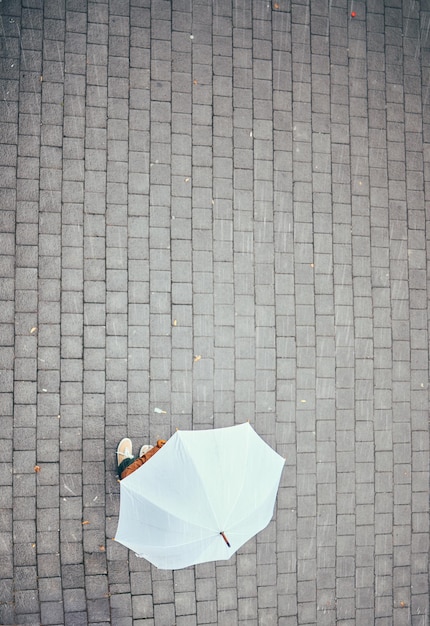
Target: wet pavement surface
x=213, y=212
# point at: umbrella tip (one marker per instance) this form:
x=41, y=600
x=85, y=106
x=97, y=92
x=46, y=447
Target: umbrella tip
x=225, y=538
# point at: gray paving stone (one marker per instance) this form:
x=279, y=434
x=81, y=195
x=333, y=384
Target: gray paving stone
x=305, y=122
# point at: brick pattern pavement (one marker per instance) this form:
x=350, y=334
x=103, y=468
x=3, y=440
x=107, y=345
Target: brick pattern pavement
x=243, y=182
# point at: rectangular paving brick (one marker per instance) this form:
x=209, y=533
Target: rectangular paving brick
x=244, y=182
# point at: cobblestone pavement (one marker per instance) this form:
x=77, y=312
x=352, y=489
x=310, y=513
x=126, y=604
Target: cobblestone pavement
x=244, y=182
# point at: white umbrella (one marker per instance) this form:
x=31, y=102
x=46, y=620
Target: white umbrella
x=200, y=498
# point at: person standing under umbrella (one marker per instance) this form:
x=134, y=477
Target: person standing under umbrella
x=127, y=463
x=205, y=495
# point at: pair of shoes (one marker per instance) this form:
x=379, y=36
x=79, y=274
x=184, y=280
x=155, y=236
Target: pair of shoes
x=144, y=449
x=124, y=450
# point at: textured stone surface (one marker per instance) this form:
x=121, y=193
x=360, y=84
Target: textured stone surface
x=245, y=182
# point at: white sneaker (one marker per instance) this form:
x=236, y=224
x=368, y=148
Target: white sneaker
x=144, y=449
x=124, y=450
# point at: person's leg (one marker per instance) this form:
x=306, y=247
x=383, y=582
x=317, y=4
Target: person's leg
x=131, y=464
x=131, y=467
x=134, y=461
x=124, y=464
x=134, y=465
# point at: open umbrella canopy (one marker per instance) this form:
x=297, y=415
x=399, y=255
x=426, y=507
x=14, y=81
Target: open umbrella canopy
x=200, y=498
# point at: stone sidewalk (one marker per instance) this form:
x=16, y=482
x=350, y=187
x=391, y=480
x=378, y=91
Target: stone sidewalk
x=245, y=182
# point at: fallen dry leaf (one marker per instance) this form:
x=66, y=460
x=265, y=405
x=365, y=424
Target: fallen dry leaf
x=37, y=468
x=85, y=522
